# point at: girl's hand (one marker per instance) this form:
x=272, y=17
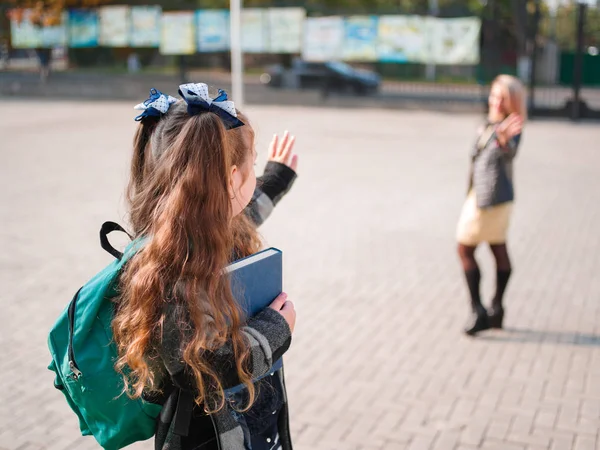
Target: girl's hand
x=286, y=308
x=509, y=128
x=282, y=152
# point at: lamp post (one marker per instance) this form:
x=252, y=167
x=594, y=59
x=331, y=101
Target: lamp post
x=533, y=57
x=482, y=76
x=430, y=67
x=578, y=62
x=237, y=63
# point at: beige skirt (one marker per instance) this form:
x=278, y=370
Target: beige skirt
x=483, y=225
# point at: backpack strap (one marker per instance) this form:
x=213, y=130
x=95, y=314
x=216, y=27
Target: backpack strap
x=177, y=411
x=183, y=413
x=109, y=227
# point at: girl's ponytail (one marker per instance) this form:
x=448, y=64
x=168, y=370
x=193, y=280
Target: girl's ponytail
x=138, y=161
x=153, y=109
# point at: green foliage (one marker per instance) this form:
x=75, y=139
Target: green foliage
x=562, y=27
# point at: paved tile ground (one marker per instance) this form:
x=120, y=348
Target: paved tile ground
x=378, y=360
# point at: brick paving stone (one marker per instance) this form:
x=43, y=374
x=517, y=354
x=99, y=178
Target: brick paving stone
x=585, y=443
x=421, y=443
x=562, y=443
x=491, y=445
x=378, y=360
x=446, y=440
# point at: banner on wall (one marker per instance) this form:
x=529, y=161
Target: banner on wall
x=212, y=30
x=285, y=29
x=389, y=38
x=454, y=41
x=145, y=26
x=177, y=33
x=55, y=35
x=360, y=38
x=323, y=39
x=23, y=33
x=254, y=30
x=114, y=26
x=83, y=28
x=402, y=39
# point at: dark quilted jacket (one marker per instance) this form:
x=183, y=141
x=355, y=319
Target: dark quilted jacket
x=492, y=168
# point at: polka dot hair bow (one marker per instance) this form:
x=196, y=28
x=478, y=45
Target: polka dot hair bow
x=155, y=106
x=198, y=101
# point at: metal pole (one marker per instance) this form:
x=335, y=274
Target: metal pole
x=182, y=69
x=430, y=68
x=578, y=63
x=483, y=59
x=237, y=62
x=533, y=56
x=495, y=35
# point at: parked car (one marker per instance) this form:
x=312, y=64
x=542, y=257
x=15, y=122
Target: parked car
x=331, y=76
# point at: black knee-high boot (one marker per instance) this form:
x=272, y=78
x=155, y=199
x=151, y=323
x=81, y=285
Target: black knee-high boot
x=479, y=317
x=496, y=314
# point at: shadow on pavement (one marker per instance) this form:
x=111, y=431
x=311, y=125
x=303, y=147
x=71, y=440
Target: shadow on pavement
x=541, y=336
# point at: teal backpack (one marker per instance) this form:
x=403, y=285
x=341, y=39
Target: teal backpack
x=84, y=354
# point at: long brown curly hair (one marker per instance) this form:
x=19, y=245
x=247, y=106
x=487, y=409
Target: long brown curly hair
x=179, y=202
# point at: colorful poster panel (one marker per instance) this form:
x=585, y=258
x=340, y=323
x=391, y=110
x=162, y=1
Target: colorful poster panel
x=285, y=29
x=323, y=39
x=23, y=32
x=56, y=35
x=83, y=28
x=455, y=41
x=212, y=30
x=402, y=39
x=145, y=26
x=254, y=30
x=178, y=33
x=360, y=38
x=114, y=26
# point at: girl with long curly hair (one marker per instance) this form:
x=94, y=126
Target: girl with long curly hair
x=183, y=340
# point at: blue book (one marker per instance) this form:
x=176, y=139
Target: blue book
x=256, y=281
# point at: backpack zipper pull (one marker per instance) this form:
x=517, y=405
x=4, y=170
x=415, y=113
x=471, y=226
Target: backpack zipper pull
x=76, y=372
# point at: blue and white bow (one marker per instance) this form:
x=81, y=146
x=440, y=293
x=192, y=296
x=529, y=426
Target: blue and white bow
x=155, y=106
x=198, y=101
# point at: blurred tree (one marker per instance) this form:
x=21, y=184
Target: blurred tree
x=48, y=12
x=565, y=30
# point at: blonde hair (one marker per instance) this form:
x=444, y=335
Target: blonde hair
x=514, y=95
